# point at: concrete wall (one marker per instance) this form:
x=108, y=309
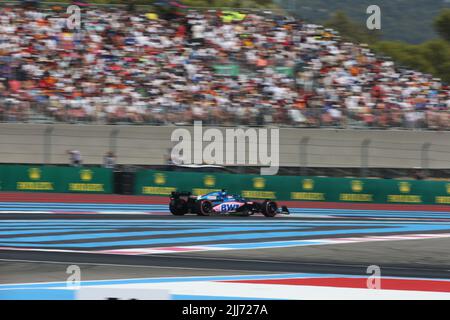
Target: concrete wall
x=36, y=143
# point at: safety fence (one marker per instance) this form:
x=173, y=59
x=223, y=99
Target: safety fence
x=299, y=148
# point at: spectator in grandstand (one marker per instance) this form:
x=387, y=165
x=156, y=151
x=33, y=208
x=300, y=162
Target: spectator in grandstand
x=223, y=69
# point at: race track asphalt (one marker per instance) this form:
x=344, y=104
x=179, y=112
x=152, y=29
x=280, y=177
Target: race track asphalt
x=427, y=258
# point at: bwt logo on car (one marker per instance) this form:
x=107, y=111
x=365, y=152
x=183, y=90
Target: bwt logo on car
x=229, y=206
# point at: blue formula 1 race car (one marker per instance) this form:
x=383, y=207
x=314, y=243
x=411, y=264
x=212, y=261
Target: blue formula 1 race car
x=221, y=203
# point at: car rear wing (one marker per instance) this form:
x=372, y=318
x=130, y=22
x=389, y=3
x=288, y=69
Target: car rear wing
x=177, y=194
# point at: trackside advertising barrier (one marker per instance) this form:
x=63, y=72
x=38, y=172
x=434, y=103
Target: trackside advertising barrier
x=162, y=183
x=55, y=179
x=2, y=177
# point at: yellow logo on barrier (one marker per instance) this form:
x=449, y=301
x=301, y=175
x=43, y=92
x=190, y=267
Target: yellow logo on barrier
x=448, y=188
x=34, y=173
x=357, y=186
x=259, y=183
x=86, y=175
x=308, y=184
x=404, y=187
x=209, y=181
x=160, y=178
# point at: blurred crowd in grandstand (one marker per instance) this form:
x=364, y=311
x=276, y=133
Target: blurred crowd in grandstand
x=128, y=67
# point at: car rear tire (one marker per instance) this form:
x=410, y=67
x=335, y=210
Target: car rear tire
x=178, y=207
x=205, y=208
x=269, y=208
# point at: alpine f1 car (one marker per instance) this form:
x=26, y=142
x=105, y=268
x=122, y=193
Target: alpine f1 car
x=221, y=203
